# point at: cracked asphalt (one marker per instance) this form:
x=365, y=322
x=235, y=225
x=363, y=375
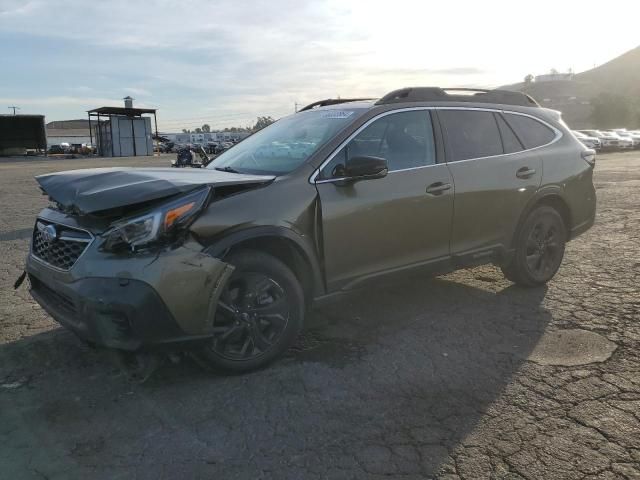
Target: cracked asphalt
x=463, y=376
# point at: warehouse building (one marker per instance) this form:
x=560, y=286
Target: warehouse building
x=72, y=132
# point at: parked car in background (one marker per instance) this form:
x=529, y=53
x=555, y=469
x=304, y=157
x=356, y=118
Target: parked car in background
x=587, y=141
x=165, y=147
x=56, y=150
x=211, y=148
x=610, y=141
x=627, y=135
x=226, y=261
x=624, y=141
x=636, y=136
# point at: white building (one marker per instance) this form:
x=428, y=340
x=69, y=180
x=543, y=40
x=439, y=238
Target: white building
x=203, y=138
x=555, y=77
x=73, y=132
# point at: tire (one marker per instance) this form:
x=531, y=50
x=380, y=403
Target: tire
x=260, y=313
x=539, y=248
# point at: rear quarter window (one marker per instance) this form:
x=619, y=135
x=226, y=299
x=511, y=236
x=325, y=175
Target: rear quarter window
x=509, y=140
x=532, y=133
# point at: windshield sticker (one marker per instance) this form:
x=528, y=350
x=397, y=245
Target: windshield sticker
x=336, y=114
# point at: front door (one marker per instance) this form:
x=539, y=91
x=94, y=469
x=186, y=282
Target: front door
x=403, y=219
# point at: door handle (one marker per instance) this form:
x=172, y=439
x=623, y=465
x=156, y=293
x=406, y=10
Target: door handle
x=525, y=172
x=438, y=188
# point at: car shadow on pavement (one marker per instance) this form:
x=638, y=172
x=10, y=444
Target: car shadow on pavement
x=384, y=381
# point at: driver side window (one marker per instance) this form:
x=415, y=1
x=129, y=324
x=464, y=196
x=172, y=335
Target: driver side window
x=404, y=139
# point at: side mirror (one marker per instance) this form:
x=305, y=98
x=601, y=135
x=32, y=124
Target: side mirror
x=366, y=168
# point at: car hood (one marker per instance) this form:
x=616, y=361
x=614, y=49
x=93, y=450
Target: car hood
x=96, y=189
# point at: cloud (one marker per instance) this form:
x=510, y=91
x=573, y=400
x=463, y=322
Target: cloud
x=12, y=8
x=61, y=100
x=141, y=92
x=230, y=61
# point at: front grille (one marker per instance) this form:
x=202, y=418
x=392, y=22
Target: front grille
x=58, y=245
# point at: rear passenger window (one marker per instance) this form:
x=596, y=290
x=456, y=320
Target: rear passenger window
x=509, y=140
x=470, y=134
x=531, y=132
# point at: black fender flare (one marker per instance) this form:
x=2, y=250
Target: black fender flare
x=219, y=246
x=546, y=192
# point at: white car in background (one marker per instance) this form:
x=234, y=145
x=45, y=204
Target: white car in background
x=588, y=141
x=632, y=134
x=608, y=140
x=625, y=141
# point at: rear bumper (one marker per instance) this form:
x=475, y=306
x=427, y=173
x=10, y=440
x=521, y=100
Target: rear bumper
x=582, y=227
x=167, y=301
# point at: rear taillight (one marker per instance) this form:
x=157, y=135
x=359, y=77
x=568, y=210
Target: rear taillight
x=589, y=156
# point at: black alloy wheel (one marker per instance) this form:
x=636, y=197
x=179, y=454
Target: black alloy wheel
x=259, y=314
x=252, y=314
x=539, y=248
x=543, y=250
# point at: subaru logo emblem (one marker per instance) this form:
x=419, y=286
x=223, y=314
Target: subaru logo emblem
x=49, y=233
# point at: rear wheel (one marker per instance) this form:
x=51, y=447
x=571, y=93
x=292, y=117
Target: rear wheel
x=540, y=247
x=259, y=314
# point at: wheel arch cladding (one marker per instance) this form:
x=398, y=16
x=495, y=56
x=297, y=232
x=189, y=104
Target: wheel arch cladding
x=552, y=200
x=291, y=251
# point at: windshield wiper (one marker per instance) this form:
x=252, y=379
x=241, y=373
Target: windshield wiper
x=226, y=169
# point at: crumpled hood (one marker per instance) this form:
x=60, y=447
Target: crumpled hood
x=95, y=189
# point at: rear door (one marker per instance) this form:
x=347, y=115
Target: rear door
x=401, y=220
x=495, y=173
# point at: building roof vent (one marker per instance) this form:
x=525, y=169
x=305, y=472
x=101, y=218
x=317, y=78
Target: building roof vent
x=128, y=102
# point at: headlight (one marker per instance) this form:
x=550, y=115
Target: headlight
x=137, y=232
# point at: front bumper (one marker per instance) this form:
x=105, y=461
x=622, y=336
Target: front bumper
x=132, y=302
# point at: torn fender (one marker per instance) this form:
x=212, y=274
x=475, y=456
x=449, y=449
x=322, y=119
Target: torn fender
x=190, y=285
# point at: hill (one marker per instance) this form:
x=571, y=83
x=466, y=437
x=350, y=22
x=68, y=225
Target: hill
x=607, y=96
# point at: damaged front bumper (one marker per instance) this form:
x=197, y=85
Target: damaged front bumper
x=142, y=301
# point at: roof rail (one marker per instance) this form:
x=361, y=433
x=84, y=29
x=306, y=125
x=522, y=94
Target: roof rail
x=331, y=101
x=437, y=94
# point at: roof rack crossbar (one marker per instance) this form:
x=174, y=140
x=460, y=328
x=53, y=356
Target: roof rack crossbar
x=331, y=101
x=437, y=94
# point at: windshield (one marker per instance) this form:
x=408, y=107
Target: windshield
x=286, y=144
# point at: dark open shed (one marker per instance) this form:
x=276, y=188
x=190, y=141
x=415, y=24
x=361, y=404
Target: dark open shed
x=125, y=132
x=21, y=132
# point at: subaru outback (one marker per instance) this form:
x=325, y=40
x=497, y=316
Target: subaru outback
x=224, y=262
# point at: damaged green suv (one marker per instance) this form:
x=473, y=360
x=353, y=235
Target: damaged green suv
x=224, y=262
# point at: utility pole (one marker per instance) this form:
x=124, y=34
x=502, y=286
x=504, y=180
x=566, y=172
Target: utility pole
x=14, y=108
x=295, y=107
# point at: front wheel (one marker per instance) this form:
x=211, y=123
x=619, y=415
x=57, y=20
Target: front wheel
x=539, y=250
x=259, y=314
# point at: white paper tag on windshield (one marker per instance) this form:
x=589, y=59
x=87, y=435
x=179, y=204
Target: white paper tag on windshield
x=336, y=114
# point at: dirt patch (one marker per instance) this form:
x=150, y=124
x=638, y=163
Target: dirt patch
x=569, y=348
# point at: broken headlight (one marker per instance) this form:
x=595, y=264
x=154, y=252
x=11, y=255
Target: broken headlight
x=159, y=224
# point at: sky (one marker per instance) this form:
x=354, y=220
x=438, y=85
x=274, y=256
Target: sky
x=226, y=62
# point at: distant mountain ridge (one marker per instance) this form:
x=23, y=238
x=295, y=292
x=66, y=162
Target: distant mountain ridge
x=575, y=98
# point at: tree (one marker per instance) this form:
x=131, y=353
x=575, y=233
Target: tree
x=198, y=130
x=206, y=128
x=184, y=130
x=528, y=79
x=263, y=122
